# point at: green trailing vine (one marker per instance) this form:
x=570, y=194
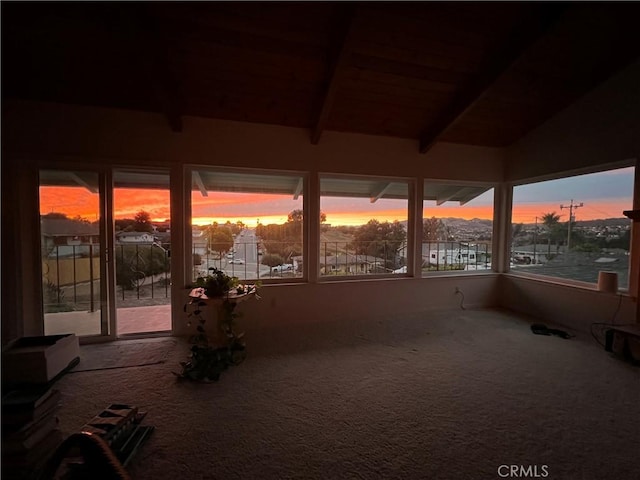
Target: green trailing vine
x=208, y=360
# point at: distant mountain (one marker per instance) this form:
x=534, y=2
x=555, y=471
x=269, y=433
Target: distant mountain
x=607, y=222
x=454, y=221
x=479, y=222
x=601, y=222
x=483, y=222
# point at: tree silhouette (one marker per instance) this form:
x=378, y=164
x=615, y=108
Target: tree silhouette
x=285, y=239
x=516, y=230
x=142, y=222
x=297, y=215
x=272, y=259
x=432, y=229
x=220, y=238
x=551, y=220
x=55, y=215
x=379, y=239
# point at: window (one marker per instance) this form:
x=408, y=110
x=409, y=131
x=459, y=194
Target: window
x=573, y=227
x=70, y=241
x=457, y=227
x=363, y=229
x=142, y=213
x=250, y=225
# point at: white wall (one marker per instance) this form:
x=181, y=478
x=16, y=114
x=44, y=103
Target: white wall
x=553, y=302
x=297, y=308
x=602, y=127
x=118, y=136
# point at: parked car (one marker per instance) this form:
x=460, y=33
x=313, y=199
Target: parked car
x=237, y=261
x=521, y=257
x=282, y=268
x=230, y=255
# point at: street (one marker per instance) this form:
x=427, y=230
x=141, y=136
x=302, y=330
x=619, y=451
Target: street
x=246, y=249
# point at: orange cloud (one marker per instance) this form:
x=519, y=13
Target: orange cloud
x=72, y=201
x=362, y=217
x=128, y=202
x=248, y=208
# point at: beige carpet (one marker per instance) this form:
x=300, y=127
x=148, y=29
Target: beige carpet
x=442, y=395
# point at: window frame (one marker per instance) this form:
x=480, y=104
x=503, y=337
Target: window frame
x=411, y=183
x=495, y=229
x=569, y=282
x=303, y=176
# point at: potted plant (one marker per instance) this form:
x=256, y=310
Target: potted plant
x=211, y=355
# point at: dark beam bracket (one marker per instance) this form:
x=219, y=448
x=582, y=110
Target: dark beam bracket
x=632, y=214
x=524, y=35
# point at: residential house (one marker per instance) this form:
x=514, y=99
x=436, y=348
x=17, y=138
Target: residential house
x=135, y=237
x=65, y=237
x=199, y=240
x=348, y=263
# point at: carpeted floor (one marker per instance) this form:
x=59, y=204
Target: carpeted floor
x=131, y=353
x=448, y=395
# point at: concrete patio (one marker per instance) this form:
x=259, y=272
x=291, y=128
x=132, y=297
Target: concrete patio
x=130, y=320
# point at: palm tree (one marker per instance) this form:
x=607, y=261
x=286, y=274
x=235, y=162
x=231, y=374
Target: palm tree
x=551, y=221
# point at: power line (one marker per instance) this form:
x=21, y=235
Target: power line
x=608, y=214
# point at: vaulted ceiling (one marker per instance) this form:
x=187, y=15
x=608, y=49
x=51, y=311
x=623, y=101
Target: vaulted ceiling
x=474, y=73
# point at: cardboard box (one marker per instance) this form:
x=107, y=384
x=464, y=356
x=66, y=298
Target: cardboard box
x=39, y=359
x=625, y=341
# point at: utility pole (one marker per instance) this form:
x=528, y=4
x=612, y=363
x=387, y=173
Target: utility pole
x=571, y=207
x=535, y=240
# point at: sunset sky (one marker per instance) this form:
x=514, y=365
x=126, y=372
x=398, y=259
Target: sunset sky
x=605, y=195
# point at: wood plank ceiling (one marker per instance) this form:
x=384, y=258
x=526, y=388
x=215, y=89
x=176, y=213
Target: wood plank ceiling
x=472, y=73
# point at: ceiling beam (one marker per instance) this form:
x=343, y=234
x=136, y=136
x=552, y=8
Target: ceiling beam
x=338, y=58
x=200, y=183
x=375, y=196
x=450, y=194
x=82, y=183
x=522, y=37
x=476, y=193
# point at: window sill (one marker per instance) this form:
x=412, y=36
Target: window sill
x=563, y=282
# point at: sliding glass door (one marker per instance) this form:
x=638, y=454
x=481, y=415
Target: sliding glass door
x=105, y=241
x=73, y=253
